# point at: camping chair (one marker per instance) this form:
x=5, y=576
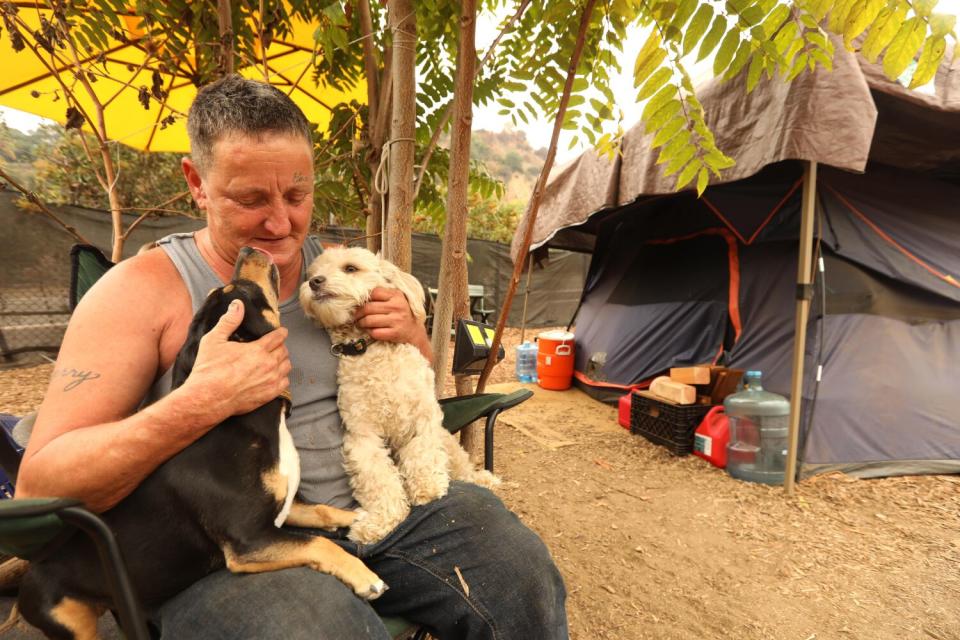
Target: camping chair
x=29, y=527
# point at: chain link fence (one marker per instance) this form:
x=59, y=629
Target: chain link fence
x=35, y=271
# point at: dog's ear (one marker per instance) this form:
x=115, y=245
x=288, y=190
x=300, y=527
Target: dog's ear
x=408, y=285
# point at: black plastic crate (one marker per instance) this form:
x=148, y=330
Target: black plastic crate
x=666, y=424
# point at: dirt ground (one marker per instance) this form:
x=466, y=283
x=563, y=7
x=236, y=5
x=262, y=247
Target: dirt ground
x=654, y=546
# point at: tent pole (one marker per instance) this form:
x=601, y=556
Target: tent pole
x=804, y=295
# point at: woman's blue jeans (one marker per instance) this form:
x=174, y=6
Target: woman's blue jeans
x=515, y=590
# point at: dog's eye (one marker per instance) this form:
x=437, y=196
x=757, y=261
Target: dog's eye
x=350, y=268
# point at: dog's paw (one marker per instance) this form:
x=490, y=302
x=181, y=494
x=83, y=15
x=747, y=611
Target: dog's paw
x=359, y=577
x=334, y=519
x=367, y=529
x=425, y=497
x=485, y=479
x=372, y=591
x=427, y=489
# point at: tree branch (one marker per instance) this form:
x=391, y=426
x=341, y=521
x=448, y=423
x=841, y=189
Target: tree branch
x=152, y=211
x=32, y=197
x=537, y=194
x=225, y=23
x=369, y=54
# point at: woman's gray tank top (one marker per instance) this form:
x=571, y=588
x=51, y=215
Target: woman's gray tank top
x=314, y=422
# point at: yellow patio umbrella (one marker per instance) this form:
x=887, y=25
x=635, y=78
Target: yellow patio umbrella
x=145, y=104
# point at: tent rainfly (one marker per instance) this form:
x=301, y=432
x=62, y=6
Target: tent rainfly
x=845, y=177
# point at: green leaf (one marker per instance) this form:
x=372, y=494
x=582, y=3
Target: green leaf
x=819, y=39
x=753, y=73
x=929, y=61
x=751, y=16
x=904, y=46
x=675, y=146
x=882, y=31
x=688, y=173
x=702, y=180
x=924, y=7
x=717, y=29
x=820, y=56
x=942, y=23
x=656, y=81
x=819, y=9
x=838, y=17
x=809, y=21
x=698, y=26
x=668, y=131
x=652, y=65
x=661, y=117
x=727, y=48
x=680, y=160
x=739, y=60
x=684, y=11
x=777, y=17
x=647, y=51
x=786, y=36
x=859, y=19
x=657, y=101
x=799, y=64
x=717, y=160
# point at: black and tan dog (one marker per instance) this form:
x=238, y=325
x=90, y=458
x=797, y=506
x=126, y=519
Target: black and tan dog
x=217, y=503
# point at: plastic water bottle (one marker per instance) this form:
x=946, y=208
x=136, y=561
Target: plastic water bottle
x=759, y=422
x=527, y=362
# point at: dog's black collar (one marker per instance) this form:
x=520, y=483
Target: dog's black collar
x=354, y=348
x=287, y=402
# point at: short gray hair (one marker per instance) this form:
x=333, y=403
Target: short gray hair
x=237, y=105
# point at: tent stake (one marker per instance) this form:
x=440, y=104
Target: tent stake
x=804, y=294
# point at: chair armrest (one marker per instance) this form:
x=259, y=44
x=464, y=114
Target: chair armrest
x=459, y=411
x=28, y=525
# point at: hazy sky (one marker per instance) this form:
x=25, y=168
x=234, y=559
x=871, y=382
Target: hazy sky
x=538, y=133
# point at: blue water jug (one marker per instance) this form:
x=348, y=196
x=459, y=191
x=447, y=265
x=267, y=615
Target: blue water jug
x=759, y=426
x=527, y=362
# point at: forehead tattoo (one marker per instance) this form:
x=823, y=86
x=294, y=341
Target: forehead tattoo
x=299, y=177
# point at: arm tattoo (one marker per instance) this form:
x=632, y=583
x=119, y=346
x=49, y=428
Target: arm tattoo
x=76, y=376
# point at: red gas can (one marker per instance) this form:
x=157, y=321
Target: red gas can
x=623, y=410
x=711, y=437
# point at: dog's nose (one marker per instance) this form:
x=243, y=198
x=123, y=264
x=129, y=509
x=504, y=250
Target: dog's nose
x=316, y=282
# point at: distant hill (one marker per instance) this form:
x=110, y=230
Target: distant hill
x=509, y=157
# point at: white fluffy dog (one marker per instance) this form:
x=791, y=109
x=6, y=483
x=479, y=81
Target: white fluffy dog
x=396, y=451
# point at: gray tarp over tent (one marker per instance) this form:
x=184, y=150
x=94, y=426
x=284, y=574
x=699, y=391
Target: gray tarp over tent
x=675, y=280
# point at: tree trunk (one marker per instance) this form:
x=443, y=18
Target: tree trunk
x=452, y=299
x=402, y=142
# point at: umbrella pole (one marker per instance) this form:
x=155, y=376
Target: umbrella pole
x=804, y=295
